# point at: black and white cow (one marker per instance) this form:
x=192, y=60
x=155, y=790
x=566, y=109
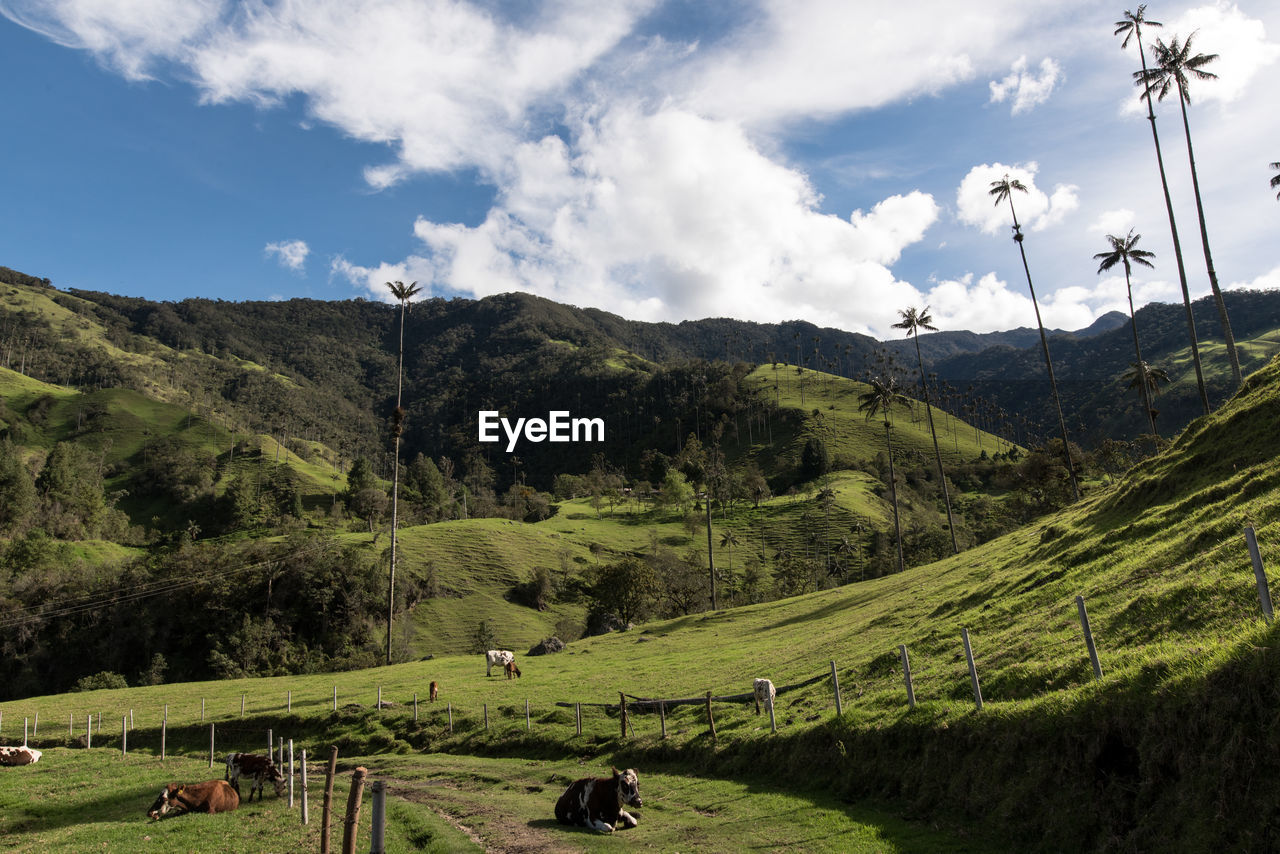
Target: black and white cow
x=257, y=768
x=765, y=694
x=597, y=802
x=499, y=657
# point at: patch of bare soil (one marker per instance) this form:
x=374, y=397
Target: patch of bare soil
x=485, y=823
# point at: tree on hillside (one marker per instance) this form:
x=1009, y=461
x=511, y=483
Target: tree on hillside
x=1131, y=26
x=1124, y=250
x=882, y=396
x=17, y=490
x=913, y=321
x=1148, y=378
x=628, y=588
x=403, y=293
x=1174, y=65
x=1003, y=190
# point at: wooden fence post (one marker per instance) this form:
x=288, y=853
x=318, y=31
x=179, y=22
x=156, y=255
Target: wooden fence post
x=124, y=736
x=450, y=710
x=71, y=722
x=415, y=707
x=131, y=719
x=210, y=745
x=25, y=723
x=271, y=744
x=906, y=676
x=242, y=704
x=35, y=728
x=528, y=725
x=973, y=670
x=164, y=732
x=662, y=714
x=291, y=773
x=379, y=697
x=1088, y=637
x=773, y=721
x=577, y=714
x=377, y=829
x=622, y=711
x=326, y=809
x=201, y=710
x=335, y=698
x=352, y=822
x=486, y=717
x=280, y=752
x=711, y=721
x=288, y=701
x=88, y=732
x=835, y=686
x=305, y=816
x=1264, y=594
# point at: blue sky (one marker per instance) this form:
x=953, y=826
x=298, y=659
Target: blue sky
x=826, y=160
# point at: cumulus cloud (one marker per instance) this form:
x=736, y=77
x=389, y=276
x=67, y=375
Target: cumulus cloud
x=668, y=215
x=1239, y=41
x=290, y=254
x=1026, y=89
x=1117, y=221
x=1036, y=209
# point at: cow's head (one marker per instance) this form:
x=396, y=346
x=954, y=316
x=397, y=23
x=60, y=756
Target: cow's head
x=277, y=780
x=628, y=785
x=168, y=795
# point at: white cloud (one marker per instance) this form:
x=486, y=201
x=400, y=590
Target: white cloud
x=290, y=254
x=976, y=206
x=1239, y=41
x=1026, y=90
x=1268, y=281
x=1117, y=221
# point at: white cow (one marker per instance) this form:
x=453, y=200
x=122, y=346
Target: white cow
x=497, y=657
x=765, y=693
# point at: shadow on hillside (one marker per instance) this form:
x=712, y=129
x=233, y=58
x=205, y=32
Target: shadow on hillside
x=117, y=802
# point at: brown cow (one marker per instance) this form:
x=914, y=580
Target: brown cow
x=213, y=796
x=435, y=690
x=19, y=755
x=512, y=670
x=598, y=802
x=258, y=768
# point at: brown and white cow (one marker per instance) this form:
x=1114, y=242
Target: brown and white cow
x=498, y=657
x=213, y=796
x=765, y=694
x=258, y=768
x=511, y=670
x=598, y=802
x=435, y=690
x=19, y=755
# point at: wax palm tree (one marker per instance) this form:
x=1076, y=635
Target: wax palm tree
x=1275, y=179
x=1131, y=26
x=880, y=398
x=403, y=293
x=1003, y=190
x=1124, y=250
x=1147, y=377
x=913, y=321
x=727, y=541
x=1175, y=65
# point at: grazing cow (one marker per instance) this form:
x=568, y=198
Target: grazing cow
x=512, y=670
x=500, y=657
x=435, y=690
x=258, y=768
x=19, y=755
x=764, y=694
x=598, y=802
x=213, y=796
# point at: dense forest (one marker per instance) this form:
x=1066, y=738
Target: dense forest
x=180, y=482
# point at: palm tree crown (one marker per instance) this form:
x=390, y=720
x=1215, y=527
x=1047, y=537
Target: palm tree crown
x=1123, y=249
x=1173, y=63
x=1131, y=25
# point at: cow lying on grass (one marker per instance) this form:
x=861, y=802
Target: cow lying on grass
x=213, y=796
x=499, y=657
x=19, y=755
x=256, y=767
x=598, y=802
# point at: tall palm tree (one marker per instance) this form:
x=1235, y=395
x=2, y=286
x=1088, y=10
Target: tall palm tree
x=1275, y=179
x=1147, y=377
x=880, y=398
x=1131, y=26
x=1002, y=190
x=1124, y=250
x=913, y=321
x=403, y=293
x=1174, y=62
